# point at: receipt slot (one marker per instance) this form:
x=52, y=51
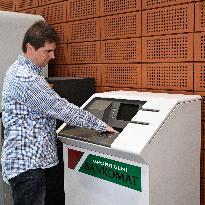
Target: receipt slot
x=153, y=160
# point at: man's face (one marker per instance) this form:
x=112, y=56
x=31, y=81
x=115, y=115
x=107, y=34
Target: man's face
x=43, y=55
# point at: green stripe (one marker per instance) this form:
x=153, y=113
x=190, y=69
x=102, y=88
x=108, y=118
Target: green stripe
x=113, y=171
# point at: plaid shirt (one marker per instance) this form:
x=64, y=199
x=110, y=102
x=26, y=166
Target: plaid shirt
x=29, y=109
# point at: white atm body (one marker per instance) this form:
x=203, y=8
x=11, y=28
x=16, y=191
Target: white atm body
x=154, y=160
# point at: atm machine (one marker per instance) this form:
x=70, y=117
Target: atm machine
x=153, y=160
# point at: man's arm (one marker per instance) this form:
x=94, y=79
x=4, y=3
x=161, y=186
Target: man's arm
x=42, y=98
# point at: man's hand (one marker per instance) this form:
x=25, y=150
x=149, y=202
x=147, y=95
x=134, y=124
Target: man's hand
x=110, y=129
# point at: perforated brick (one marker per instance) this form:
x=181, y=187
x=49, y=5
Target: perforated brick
x=54, y=13
x=7, y=5
x=203, y=163
x=202, y=191
x=199, y=76
x=121, y=26
x=203, y=135
x=45, y=2
x=62, y=30
x=200, y=16
x=121, y=75
x=202, y=94
x=168, y=91
x=83, y=9
x=148, y=4
x=203, y=106
x=108, y=7
x=107, y=89
x=58, y=71
x=61, y=54
x=87, y=71
x=88, y=52
x=34, y=11
x=121, y=51
x=84, y=30
x=199, y=46
x=169, y=48
x=174, y=76
x=23, y=5
x=168, y=20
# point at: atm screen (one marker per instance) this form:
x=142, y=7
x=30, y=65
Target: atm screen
x=127, y=111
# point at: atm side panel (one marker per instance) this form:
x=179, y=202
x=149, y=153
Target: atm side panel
x=173, y=156
x=93, y=178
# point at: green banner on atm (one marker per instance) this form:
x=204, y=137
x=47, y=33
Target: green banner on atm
x=113, y=171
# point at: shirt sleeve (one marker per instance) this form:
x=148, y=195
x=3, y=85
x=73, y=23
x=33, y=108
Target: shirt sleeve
x=42, y=98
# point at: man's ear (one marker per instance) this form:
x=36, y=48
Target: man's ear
x=30, y=48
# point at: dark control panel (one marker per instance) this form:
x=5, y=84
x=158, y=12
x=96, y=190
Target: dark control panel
x=86, y=135
x=115, y=112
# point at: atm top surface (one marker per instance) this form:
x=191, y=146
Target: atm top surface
x=137, y=115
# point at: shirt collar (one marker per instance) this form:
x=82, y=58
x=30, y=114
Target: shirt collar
x=23, y=60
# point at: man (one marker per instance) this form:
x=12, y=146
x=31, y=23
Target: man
x=29, y=108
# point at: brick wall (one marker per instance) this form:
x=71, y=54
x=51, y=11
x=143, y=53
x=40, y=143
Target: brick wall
x=148, y=45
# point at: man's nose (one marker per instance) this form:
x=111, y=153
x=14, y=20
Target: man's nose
x=52, y=55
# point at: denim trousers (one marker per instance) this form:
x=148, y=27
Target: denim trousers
x=29, y=188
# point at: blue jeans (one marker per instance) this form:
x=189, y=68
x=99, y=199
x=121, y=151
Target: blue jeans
x=29, y=188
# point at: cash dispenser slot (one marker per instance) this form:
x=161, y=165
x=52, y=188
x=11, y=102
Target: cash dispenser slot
x=115, y=112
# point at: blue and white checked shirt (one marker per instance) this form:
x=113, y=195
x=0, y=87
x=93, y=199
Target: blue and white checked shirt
x=29, y=109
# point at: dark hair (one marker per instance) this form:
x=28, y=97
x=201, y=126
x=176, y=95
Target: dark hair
x=39, y=33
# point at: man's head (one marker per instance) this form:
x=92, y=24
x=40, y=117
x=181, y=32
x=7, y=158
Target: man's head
x=39, y=43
